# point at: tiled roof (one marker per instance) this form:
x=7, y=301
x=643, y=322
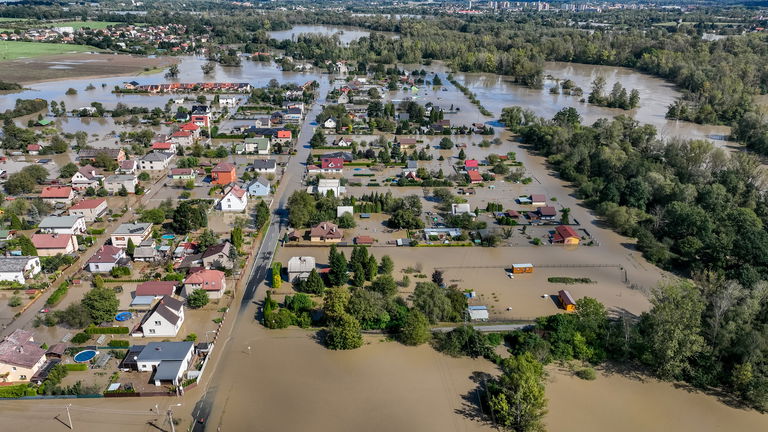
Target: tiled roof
x=56, y=192
x=51, y=241
x=88, y=204
x=156, y=288
x=211, y=280
x=106, y=254
x=224, y=167
x=19, y=350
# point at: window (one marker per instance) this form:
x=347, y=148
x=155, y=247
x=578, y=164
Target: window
x=151, y=331
x=22, y=377
x=158, y=323
x=14, y=368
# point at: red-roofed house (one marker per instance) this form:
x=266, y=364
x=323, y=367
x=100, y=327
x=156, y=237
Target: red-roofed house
x=283, y=136
x=235, y=199
x=106, y=258
x=224, y=174
x=182, y=138
x=471, y=165
x=90, y=209
x=164, y=147
x=474, y=177
x=52, y=244
x=212, y=281
x=157, y=289
x=20, y=356
x=364, y=240
x=191, y=127
x=58, y=194
x=331, y=165
x=34, y=149
x=565, y=235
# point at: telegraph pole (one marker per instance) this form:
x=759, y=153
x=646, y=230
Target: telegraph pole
x=170, y=419
x=69, y=417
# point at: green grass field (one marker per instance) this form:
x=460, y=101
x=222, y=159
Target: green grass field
x=13, y=50
x=80, y=24
x=2, y=19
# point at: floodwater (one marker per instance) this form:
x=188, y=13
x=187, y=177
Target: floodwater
x=346, y=34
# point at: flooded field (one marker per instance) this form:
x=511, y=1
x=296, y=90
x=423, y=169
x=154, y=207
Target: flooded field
x=346, y=34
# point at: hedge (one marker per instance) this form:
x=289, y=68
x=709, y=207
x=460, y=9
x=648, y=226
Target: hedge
x=57, y=295
x=96, y=231
x=125, y=280
x=568, y=280
x=119, y=343
x=16, y=391
x=76, y=367
x=107, y=330
x=81, y=338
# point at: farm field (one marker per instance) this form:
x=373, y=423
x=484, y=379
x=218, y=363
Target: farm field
x=16, y=50
x=82, y=24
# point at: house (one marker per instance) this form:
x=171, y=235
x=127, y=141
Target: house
x=128, y=167
x=477, y=313
x=19, y=268
x=474, y=177
x=136, y=232
x=166, y=147
x=326, y=232
x=406, y=143
x=411, y=166
x=228, y=101
x=235, y=199
x=117, y=155
x=114, y=183
x=182, y=116
x=341, y=142
x=257, y=145
x=283, y=136
x=34, y=149
x=264, y=166
x=183, y=174
x=345, y=156
x=299, y=267
x=58, y=194
x=146, y=251
x=364, y=240
x=168, y=360
x=211, y=281
x=86, y=177
x=566, y=300
x=471, y=165
x=200, y=115
x=565, y=235
x=293, y=115
x=20, y=356
x=155, y=161
x=191, y=127
x=164, y=319
x=53, y=244
x=441, y=233
x=332, y=165
x=156, y=289
x=342, y=210
x=333, y=185
x=329, y=123
x=546, y=213
x=107, y=258
x=218, y=256
x=182, y=138
x=258, y=187
x=62, y=225
x=538, y=200
x=263, y=122
x=463, y=208
x=224, y=174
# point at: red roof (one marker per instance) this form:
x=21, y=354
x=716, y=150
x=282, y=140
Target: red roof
x=107, y=254
x=34, y=147
x=181, y=171
x=88, y=204
x=161, y=146
x=563, y=232
x=224, y=167
x=331, y=163
x=51, y=241
x=471, y=163
x=181, y=134
x=236, y=191
x=364, y=240
x=156, y=288
x=56, y=192
x=284, y=134
x=211, y=280
x=474, y=177
x=190, y=127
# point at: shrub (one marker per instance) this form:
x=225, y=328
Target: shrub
x=197, y=299
x=81, y=338
x=119, y=343
x=191, y=337
x=586, y=374
x=494, y=339
x=107, y=330
x=57, y=295
x=16, y=391
x=568, y=280
x=76, y=367
x=14, y=301
x=119, y=271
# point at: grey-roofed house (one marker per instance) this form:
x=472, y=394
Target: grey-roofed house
x=136, y=232
x=155, y=161
x=299, y=267
x=19, y=268
x=74, y=224
x=258, y=187
x=114, y=183
x=168, y=360
x=264, y=166
x=163, y=320
x=218, y=256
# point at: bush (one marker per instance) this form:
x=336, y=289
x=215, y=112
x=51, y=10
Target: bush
x=568, y=280
x=57, y=295
x=14, y=301
x=119, y=343
x=192, y=337
x=76, y=367
x=197, y=299
x=107, y=330
x=119, y=271
x=494, y=339
x=81, y=338
x=16, y=391
x=586, y=374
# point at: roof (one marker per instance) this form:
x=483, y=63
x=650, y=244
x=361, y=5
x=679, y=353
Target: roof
x=59, y=221
x=19, y=349
x=217, y=249
x=262, y=164
x=364, y=240
x=471, y=163
x=474, y=176
x=165, y=351
x=106, y=254
x=88, y=171
x=547, y=211
x=56, y=192
x=182, y=171
x=156, y=288
x=168, y=370
x=237, y=191
x=162, y=146
x=156, y=156
x=329, y=163
x=566, y=298
x=58, y=349
x=88, y=204
x=211, y=280
x=169, y=308
x=563, y=232
x=224, y=167
x=301, y=264
x=538, y=198
x=283, y=133
x=91, y=153
x=261, y=180
x=51, y=241
x=119, y=178
x=329, y=183
x=142, y=300
x=189, y=127
x=326, y=230
x=132, y=228
x=128, y=164
x=11, y=264
x=181, y=133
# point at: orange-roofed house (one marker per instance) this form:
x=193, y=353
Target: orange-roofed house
x=224, y=174
x=166, y=146
x=53, y=244
x=474, y=177
x=211, y=281
x=565, y=235
x=192, y=128
x=90, y=209
x=58, y=194
x=235, y=199
x=283, y=136
x=182, y=138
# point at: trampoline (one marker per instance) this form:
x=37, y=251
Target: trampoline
x=84, y=356
x=123, y=316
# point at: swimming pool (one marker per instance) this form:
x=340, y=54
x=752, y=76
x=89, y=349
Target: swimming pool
x=84, y=356
x=123, y=316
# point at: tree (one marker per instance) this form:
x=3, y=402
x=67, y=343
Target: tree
x=567, y=117
x=369, y=308
x=130, y=248
x=385, y=285
x=634, y=99
x=101, y=304
x=318, y=139
x=19, y=183
x=565, y=216
x=415, y=330
x=437, y=277
x=197, y=299
x=75, y=316
x=335, y=302
x=338, y=273
x=358, y=279
x=446, y=143
x=188, y=217
x=431, y=300
x=236, y=237
x=25, y=245
x=386, y=265
x=516, y=398
x=144, y=176
x=344, y=333
x=173, y=71
x=277, y=278
x=207, y=239
x=371, y=268
x=462, y=155
x=313, y=284
x=674, y=329
x=123, y=191
x=68, y=170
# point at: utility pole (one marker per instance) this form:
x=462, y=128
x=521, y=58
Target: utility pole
x=170, y=419
x=69, y=417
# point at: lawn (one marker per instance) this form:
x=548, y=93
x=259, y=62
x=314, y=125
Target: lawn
x=80, y=24
x=12, y=19
x=13, y=50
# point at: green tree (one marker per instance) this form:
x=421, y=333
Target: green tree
x=344, y=333
x=338, y=273
x=371, y=268
x=207, y=239
x=68, y=170
x=130, y=248
x=462, y=155
x=517, y=396
x=101, y=304
x=144, y=176
x=415, y=330
x=277, y=278
x=369, y=308
x=197, y=299
x=335, y=301
x=236, y=237
x=25, y=244
x=431, y=300
x=313, y=284
x=74, y=315
x=358, y=279
x=386, y=265
x=385, y=285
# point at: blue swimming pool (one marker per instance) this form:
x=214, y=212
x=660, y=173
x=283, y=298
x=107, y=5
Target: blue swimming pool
x=84, y=356
x=123, y=316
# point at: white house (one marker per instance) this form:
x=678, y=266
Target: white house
x=74, y=224
x=86, y=177
x=164, y=319
x=325, y=185
x=330, y=123
x=264, y=166
x=19, y=268
x=114, y=183
x=54, y=244
x=299, y=267
x=106, y=258
x=90, y=209
x=168, y=360
x=137, y=232
x=477, y=313
x=463, y=208
x=235, y=199
x=211, y=281
x=155, y=161
x=227, y=101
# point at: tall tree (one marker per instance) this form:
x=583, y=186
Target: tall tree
x=338, y=273
x=517, y=396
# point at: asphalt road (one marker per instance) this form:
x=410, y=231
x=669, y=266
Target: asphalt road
x=291, y=181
